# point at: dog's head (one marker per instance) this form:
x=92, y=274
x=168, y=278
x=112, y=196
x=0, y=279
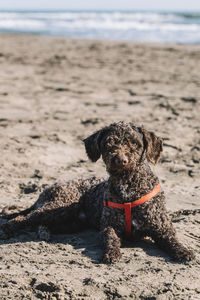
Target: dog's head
x=123, y=146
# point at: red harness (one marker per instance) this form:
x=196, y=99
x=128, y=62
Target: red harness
x=127, y=206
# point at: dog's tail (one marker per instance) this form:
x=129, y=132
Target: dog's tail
x=5, y=213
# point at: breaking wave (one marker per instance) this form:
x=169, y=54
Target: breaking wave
x=138, y=26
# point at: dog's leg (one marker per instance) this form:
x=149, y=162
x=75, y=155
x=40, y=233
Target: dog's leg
x=165, y=238
x=55, y=219
x=12, y=227
x=111, y=245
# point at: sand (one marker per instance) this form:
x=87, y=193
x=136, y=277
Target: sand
x=53, y=93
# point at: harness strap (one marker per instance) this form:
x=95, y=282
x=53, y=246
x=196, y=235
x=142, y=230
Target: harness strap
x=127, y=206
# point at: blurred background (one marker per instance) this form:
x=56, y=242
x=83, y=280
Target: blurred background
x=149, y=21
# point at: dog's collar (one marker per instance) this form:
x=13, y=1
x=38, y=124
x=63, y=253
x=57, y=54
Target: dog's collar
x=127, y=206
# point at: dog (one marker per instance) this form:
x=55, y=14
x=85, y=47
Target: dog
x=130, y=204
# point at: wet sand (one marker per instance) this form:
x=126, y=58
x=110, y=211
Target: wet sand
x=53, y=93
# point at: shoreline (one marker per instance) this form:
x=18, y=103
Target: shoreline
x=103, y=40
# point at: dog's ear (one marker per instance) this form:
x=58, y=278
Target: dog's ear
x=92, y=144
x=152, y=144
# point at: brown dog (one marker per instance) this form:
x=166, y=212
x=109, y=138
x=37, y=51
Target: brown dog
x=128, y=204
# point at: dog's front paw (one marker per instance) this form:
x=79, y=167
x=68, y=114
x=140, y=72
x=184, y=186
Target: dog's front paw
x=111, y=256
x=184, y=255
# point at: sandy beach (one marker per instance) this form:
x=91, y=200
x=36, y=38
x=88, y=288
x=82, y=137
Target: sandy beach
x=54, y=92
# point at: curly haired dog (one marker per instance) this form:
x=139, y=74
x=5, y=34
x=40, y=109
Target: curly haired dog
x=108, y=205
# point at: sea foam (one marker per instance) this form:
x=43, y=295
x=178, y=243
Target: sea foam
x=138, y=26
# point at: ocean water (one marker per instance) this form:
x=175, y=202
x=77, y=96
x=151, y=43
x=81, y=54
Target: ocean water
x=178, y=27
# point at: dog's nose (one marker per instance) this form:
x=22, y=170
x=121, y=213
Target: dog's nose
x=121, y=160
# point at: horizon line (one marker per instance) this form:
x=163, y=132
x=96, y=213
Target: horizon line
x=98, y=9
